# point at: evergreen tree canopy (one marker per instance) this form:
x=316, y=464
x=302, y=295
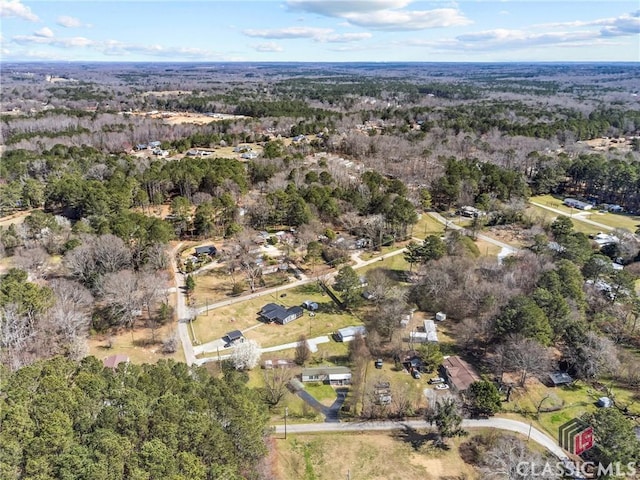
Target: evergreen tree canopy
x=60, y=419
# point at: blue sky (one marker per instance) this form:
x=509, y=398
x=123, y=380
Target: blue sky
x=320, y=30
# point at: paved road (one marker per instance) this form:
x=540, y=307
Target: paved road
x=182, y=312
x=499, y=423
x=577, y=216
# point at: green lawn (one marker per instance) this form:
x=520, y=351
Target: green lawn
x=324, y=393
x=427, y=226
x=541, y=215
x=614, y=220
x=394, y=263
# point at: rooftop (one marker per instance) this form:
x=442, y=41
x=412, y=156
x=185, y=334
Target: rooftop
x=461, y=374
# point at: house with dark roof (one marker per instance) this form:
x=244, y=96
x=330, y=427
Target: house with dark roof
x=273, y=312
x=458, y=373
x=233, y=336
x=206, y=250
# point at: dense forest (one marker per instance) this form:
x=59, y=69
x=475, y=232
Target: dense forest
x=62, y=419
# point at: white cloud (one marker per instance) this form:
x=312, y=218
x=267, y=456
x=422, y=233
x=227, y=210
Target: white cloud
x=289, y=32
x=338, y=8
x=69, y=22
x=567, y=34
x=410, y=19
x=45, y=32
x=114, y=47
x=383, y=14
x=345, y=37
x=14, y=8
x=312, y=33
x=268, y=47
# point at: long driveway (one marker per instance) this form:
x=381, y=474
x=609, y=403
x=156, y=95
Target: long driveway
x=276, y=290
x=578, y=216
x=498, y=423
x=508, y=249
x=182, y=312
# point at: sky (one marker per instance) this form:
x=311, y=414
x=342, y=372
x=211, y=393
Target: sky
x=320, y=31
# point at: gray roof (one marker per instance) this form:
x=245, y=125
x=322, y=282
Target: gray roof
x=559, y=378
x=325, y=371
x=233, y=335
x=352, y=331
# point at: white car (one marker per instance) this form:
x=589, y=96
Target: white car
x=436, y=380
x=442, y=386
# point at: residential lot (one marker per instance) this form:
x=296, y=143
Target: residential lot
x=375, y=456
x=244, y=315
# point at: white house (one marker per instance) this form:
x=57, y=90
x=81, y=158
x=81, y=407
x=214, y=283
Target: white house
x=347, y=334
x=330, y=375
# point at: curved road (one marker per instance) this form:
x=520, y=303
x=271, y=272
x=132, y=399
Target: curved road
x=498, y=423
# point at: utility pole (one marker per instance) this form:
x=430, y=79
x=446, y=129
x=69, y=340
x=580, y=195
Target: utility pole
x=286, y=413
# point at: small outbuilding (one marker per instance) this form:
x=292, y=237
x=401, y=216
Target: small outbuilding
x=233, y=336
x=347, y=334
x=309, y=305
x=604, y=402
x=560, y=378
x=441, y=316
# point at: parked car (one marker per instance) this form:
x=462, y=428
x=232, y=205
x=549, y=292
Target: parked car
x=378, y=363
x=442, y=386
x=227, y=345
x=436, y=380
x=415, y=374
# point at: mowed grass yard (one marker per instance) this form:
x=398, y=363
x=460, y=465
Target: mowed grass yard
x=374, y=456
x=573, y=400
x=614, y=220
x=244, y=315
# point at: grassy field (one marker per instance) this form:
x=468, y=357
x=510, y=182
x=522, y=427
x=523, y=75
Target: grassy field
x=383, y=456
x=427, y=226
x=571, y=402
x=136, y=345
x=629, y=222
x=215, y=285
x=241, y=316
x=540, y=215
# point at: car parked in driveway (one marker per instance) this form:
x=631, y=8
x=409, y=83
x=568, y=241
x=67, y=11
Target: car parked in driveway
x=436, y=380
x=442, y=386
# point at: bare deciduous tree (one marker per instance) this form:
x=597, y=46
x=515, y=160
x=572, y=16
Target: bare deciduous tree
x=510, y=459
x=275, y=385
x=122, y=294
x=32, y=260
x=526, y=356
x=303, y=352
x=594, y=356
x=70, y=314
